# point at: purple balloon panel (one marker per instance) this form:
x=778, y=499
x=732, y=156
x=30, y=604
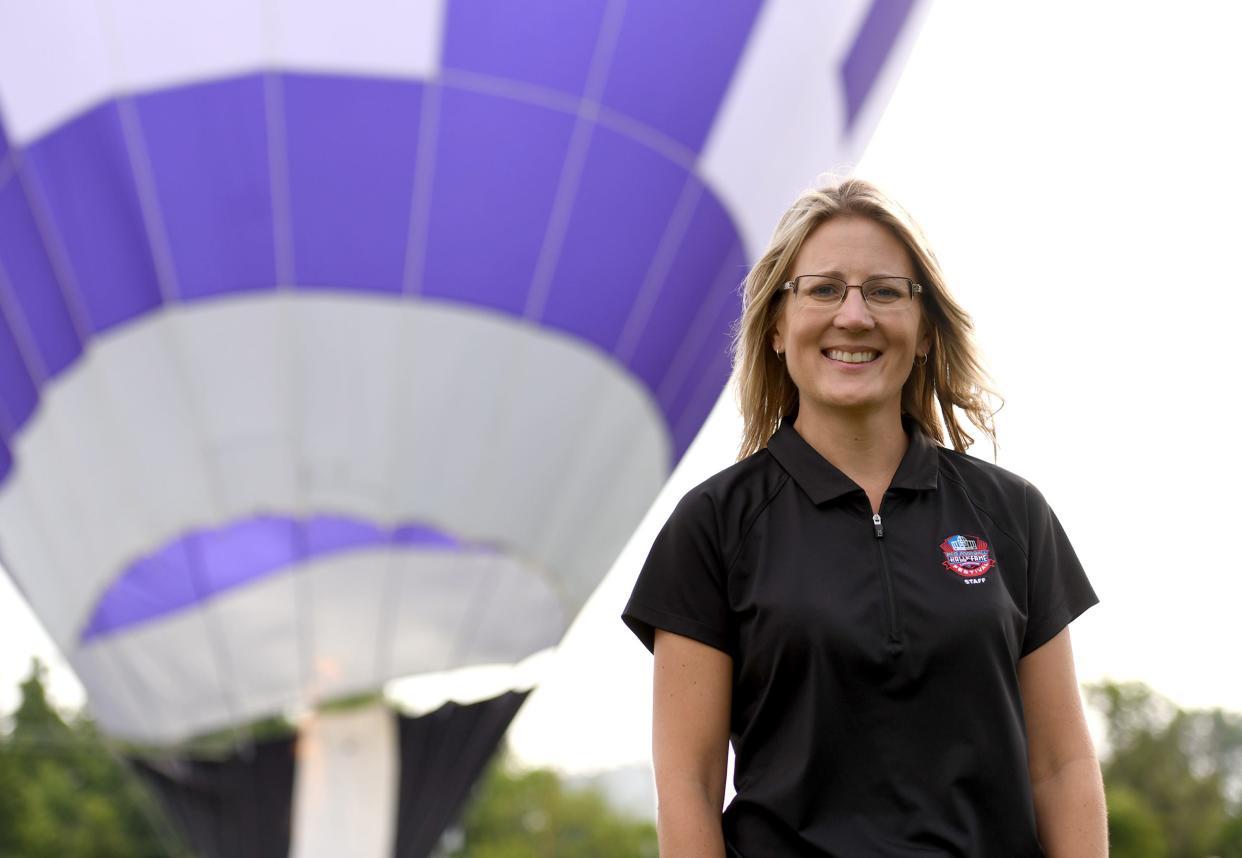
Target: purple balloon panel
x=83, y=170
x=673, y=63
x=689, y=397
x=208, y=148
x=203, y=564
x=497, y=166
x=33, y=285
x=872, y=47
x=691, y=287
x=624, y=200
x=351, y=146
x=328, y=534
x=4, y=147
x=18, y=394
x=549, y=43
x=425, y=537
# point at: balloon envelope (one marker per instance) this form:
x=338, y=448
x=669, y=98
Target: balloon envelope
x=340, y=342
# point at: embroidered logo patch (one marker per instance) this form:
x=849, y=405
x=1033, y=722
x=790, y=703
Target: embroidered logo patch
x=968, y=556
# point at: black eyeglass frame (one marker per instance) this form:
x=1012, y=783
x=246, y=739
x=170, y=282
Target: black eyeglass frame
x=915, y=288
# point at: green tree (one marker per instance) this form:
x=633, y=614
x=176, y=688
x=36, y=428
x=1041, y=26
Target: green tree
x=1229, y=841
x=1133, y=829
x=12, y=802
x=65, y=793
x=532, y=814
x=1172, y=776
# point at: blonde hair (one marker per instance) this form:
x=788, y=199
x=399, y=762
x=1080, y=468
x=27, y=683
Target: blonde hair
x=952, y=377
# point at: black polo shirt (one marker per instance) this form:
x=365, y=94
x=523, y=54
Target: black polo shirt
x=876, y=708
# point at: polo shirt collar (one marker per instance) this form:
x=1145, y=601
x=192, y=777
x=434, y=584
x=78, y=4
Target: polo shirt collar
x=822, y=481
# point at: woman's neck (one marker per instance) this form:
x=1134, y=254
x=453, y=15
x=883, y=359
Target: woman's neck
x=866, y=446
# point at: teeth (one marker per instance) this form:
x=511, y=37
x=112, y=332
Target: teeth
x=853, y=357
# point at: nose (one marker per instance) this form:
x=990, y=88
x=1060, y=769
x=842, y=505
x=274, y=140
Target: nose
x=854, y=314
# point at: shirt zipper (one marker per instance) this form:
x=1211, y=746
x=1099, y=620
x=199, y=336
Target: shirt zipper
x=886, y=579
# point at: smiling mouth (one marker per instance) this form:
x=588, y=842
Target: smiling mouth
x=862, y=356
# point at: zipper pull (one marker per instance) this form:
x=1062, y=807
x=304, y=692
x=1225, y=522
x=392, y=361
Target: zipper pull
x=879, y=526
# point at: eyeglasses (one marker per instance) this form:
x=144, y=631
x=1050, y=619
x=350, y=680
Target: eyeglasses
x=820, y=290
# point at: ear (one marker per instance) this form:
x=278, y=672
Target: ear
x=778, y=336
x=925, y=338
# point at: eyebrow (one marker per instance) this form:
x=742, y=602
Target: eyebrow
x=840, y=276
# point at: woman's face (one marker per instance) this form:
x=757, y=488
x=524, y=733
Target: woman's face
x=853, y=357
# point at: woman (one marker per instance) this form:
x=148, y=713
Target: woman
x=878, y=622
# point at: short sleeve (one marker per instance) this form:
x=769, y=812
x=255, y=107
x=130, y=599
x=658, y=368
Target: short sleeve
x=1057, y=586
x=682, y=587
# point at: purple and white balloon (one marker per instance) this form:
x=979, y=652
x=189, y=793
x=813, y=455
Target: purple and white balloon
x=341, y=342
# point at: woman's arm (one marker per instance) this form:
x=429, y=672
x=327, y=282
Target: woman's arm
x=1065, y=773
x=690, y=744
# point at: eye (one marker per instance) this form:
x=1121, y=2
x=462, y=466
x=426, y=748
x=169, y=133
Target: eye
x=886, y=291
x=824, y=290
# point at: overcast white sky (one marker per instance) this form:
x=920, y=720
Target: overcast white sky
x=1075, y=166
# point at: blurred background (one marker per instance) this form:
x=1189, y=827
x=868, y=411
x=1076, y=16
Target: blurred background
x=1074, y=169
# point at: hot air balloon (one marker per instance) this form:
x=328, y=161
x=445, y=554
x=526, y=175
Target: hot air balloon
x=343, y=342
